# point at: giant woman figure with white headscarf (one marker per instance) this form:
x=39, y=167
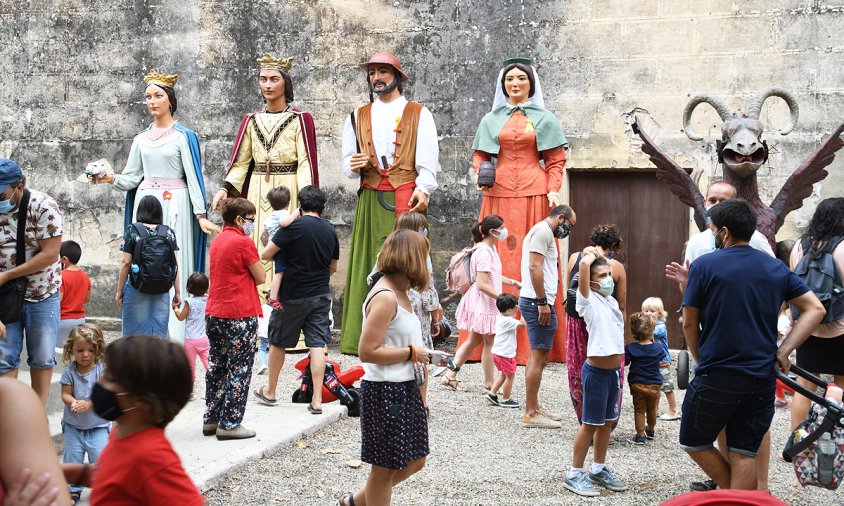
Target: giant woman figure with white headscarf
x=529, y=146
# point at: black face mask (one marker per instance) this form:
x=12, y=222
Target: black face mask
x=105, y=403
x=562, y=231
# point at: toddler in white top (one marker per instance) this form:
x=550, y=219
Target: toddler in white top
x=279, y=199
x=504, y=351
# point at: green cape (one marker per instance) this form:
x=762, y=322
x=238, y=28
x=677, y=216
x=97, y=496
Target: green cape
x=549, y=133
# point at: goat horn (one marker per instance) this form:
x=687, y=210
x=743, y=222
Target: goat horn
x=696, y=100
x=756, y=106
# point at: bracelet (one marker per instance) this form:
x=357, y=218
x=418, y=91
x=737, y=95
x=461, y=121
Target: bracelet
x=202, y=216
x=542, y=302
x=410, y=352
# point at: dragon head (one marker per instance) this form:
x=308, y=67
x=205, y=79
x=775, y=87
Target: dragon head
x=741, y=148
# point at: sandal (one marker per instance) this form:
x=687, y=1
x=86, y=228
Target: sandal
x=75, y=496
x=347, y=500
x=263, y=399
x=453, y=384
x=313, y=410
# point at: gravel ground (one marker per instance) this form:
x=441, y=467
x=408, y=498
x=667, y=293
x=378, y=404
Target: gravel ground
x=481, y=456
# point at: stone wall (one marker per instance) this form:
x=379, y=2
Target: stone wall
x=71, y=88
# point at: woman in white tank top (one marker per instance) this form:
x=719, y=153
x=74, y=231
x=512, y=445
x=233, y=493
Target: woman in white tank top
x=394, y=425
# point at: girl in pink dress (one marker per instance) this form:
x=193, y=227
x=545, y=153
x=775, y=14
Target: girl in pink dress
x=476, y=312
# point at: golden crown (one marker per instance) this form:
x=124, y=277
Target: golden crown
x=154, y=77
x=269, y=61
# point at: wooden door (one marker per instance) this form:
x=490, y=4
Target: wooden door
x=654, y=228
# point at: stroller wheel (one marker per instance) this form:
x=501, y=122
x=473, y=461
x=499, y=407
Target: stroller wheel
x=354, y=405
x=683, y=370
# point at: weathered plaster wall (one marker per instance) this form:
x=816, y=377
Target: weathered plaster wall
x=71, y=86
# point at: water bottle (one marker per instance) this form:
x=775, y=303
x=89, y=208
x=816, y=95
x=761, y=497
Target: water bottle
x=135, y=269
x=825, y=450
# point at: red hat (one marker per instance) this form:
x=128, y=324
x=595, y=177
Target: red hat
x=385, y=58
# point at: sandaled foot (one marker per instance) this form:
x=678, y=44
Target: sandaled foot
x=263, y=399
x=347, y=500
x=453, y=384
x=313, y=410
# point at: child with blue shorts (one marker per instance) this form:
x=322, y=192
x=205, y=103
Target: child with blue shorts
x=604, y=352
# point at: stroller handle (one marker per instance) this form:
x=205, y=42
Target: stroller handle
x=811, y=394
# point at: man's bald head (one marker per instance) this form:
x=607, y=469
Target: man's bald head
x=719, y=191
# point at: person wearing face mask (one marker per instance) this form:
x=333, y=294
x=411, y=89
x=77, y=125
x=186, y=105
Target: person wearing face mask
x=231, y=321
x=600, y=373
x=476, y=312
x=38, y=273
x=607, y=240
x=704, y=242
x=730, y=311
x=146, y=383
x=539, y=304
x=390, y=145
x=526, y=143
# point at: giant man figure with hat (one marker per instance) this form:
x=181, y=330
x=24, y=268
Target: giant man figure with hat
x=391, y=145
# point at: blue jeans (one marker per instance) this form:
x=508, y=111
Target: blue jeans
x=40, y=326
x=719, y=399
x=263, y=348
x=541, y=337
x=78, y=442
x=145, y=314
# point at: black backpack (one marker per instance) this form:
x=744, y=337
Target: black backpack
x=571, y=293
x=153, y=261
x=819, y=272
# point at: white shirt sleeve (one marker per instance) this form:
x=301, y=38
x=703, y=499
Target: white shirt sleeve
x=349, y=148
x=427, y=152
x=760, y=242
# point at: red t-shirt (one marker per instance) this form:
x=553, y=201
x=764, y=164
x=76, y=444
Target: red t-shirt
x=232, y=293
x=75, y=286
x=142, y=469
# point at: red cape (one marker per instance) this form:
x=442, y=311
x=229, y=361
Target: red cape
x=306, y=123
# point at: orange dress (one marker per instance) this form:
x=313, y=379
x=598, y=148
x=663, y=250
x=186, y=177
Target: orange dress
x=519, y=196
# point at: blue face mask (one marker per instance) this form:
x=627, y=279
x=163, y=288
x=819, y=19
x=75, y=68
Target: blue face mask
x=6, y=206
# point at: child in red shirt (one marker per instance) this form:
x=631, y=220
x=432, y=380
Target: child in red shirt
x=146, y=383
x=75, y=290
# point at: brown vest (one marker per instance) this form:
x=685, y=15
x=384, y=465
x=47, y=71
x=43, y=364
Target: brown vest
x=403, y=169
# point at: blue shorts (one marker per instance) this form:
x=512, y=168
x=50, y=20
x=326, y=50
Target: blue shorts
x=600, y=394
x=719, y=399
x=40, y=325
x=279, y=263
x=541, y=337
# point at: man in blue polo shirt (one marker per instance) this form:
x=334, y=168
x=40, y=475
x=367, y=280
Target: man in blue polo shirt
x=730, y=312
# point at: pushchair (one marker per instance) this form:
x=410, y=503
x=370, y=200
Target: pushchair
x=816, y=446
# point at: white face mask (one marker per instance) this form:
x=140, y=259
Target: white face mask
x=502, y=233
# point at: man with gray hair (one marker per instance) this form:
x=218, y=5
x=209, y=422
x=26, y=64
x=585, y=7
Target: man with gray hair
x=38, y=319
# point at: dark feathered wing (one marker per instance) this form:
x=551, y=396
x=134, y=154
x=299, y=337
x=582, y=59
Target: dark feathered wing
x=674, y=176
x=798, y=187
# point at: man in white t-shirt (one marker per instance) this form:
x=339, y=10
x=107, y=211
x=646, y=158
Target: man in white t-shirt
x=540, y=278
x=704, y=242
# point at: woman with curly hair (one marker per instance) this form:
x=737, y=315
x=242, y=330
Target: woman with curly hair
x=607, y=239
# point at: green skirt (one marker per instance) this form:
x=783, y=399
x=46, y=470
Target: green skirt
x=372, y=225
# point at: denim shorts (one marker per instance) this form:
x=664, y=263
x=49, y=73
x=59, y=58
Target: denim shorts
x=600, y=394
x=40, y=325
x=541, y=337
x=309, y=316
x=721, y=398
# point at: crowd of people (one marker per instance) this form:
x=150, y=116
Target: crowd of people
x=267, y=287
